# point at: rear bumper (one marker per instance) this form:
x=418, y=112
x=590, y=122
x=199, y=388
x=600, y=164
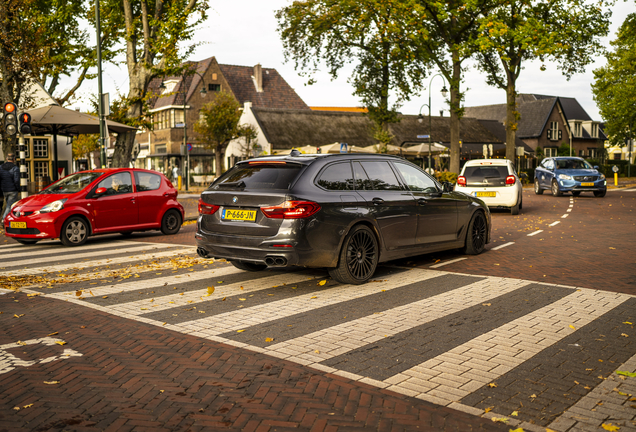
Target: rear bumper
x=504, y=196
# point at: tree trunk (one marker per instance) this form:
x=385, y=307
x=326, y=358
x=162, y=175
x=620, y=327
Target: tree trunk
x=455, y=114
x=219, y=155
x=511, y=118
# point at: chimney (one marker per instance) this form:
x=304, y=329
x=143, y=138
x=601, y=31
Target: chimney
x=258, y=78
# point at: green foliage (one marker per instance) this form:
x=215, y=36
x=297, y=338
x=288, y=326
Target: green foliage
x=447, y=176
x=380, y=36
x=564, y=150
x=615, y=85
x=84, y=144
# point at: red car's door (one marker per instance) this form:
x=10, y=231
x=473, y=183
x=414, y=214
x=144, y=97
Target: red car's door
x=150, y=197
x=118, y=206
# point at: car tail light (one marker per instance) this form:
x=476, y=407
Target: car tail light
x=461, y=181
x=291, y=210
x=207, y=209
x=510, y=180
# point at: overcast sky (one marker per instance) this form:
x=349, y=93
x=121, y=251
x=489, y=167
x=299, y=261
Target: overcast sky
x=243, y=32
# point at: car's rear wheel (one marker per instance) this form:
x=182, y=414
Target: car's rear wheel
x=26, y=242
x=600, y=194
x=358, y=257
x=171, y=222
x=74, y=232
x=537, y=188
x=514, y=210
x=555, y=189
x=576, y=193
x=248, y=266
x=476, y=235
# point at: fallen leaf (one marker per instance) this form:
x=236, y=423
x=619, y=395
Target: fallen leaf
x=16, y=408
x=269, y=339
x=161, y=391
x=317, y=351
x=627, y=322
x=489, y=409
x=223, y=299
x=60, y=342
x=515, y=413
x=53, y=334
x=210, y=290
x=28, y=406
x=624, y=394
x=18, y=316
x=572, y=327
x=492, y=385
x=516, y=430
x=576, y=382
x=314, y=297
x=612, y=247
x=624, y=335
x=240, y=331
x=242, y=299
x=503, y=420
x=533, y=396
x=610, y=427
x=51, y=382
x=105, y=297
x=78, y=293
x=322, y=282
x=486, y=304
x=144, y=308
x=626, y=373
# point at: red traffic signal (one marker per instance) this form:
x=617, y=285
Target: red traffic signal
x=25, y=123
x=10, y=120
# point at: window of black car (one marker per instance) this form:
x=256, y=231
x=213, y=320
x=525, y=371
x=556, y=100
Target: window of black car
x=147, y=181
x=480, y=173
x=258, y=176
x=336, y=177
x=381, y=175
x=573, y=164
x=361, y=178
x=73, y=183
x=415, y=179
x=117, y=184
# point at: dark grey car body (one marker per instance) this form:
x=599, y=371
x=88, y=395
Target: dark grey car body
x=406, y=220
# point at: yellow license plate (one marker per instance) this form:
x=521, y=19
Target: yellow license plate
x=587, y=184
x=485, y=194
x=18, y=224
x=239, y=215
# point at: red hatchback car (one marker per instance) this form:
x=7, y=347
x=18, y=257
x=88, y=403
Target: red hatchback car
x=96, y=202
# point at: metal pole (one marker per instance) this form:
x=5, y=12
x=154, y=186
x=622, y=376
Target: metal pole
x=185, y=137
x=430, y=131
x=100, y=102
x=23, y=169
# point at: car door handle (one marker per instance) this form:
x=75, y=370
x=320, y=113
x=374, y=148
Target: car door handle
x=421, y=201
x=377, y=201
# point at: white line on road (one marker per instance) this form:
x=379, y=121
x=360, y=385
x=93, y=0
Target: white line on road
x=564, y=216
x=535, y=233
x=569, y=210
x=503, y=245
x=555, y=223
x=446, y=262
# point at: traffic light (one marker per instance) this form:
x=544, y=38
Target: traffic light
x=10, y=119
x=25, y=124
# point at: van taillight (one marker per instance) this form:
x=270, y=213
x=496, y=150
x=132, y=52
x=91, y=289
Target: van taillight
x=207, y=209
x=291, y=210
x=461, y=181
x=510, y=180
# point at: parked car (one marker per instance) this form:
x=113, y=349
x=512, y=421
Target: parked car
x=96, y=202
x=494, y=181
x=569, y=174
x=345, y=212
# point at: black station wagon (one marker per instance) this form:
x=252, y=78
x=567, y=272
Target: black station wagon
x=343, y=212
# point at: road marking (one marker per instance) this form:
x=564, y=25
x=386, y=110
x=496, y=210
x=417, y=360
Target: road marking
x=535, y=233
x=9, y=362
x=447, y=262
x=569, y=210
x=59, y=249
x=554, y=223
x=503, y=246
x=564, y=216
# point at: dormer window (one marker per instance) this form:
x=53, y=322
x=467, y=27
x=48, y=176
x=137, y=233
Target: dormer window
x=577, y=129
x=594, y=130
x=169, y=86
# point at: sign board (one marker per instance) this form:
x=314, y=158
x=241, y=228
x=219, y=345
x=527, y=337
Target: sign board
x=189, y=147
x=179, y=125
x=423, y=136
x=615, y=168
x=344, y=147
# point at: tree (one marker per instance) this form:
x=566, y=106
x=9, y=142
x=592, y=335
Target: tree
x=516, y=31
x=85, y=144
x=154, y=32
x=614, y=87
x=219, y=126
x=379, y=36
x=248, y=139
x=450, y=29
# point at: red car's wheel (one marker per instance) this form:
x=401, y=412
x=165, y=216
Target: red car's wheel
x=74, y=231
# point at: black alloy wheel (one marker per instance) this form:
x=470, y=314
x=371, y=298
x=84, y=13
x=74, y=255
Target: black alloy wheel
x=476, y=235
x=248, y=266
x=358, y=257
x=171, y=222
x=537, y=188
x=555, y=189
x=74, y=232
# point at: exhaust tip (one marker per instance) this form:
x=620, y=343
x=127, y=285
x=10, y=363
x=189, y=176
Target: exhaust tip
x=279, y=261
x=202, y=252
x=269, y=261
x=276, y=261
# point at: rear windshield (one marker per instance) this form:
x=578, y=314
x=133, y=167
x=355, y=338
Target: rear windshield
x=71, y=184
x=258, y=177
x=479, y=173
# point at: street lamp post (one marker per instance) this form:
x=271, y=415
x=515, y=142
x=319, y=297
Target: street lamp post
x=420, y=119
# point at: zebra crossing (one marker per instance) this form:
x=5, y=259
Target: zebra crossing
x=537, y=355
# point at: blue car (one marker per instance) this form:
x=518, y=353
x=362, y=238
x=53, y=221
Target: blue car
x=568, y=174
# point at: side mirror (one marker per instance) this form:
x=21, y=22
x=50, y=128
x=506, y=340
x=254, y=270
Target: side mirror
x=447, y=187
x=596, y=167
x=99, y=191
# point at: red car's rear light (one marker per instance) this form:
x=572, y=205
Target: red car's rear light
x=207, y=209
x=461, y=181
x=291, y=210
x=510, y=180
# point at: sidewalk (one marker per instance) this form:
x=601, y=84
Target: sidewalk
x=623, y=182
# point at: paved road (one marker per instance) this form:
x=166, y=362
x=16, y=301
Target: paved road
x=436, y=343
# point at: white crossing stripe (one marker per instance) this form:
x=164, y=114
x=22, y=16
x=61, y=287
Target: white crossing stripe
x=503, y=246
x=535, y=233
x=554, y=223
x=446, y=262
x=50, y=249
x=564, y=216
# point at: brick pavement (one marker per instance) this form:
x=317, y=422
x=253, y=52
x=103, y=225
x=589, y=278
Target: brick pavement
x=134, y=376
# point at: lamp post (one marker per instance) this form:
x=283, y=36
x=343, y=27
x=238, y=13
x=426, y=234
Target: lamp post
x=204, y=93
x=420, y=119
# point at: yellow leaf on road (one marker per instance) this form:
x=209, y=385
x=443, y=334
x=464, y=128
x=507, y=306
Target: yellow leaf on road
x=317, y=351
x=489, y=409
x=572, y=327
x=240, y=331
x=314, y=297
x=500, y=420
x=78, y=293
x=627, y=322
x=60, y=342
x=486, y=304
x=515, y=413
x=492, y=385
x=28, y=406
x=105, y=297
x=624, y=335
x=322, y=282
x=51, y=382
x=242, y=299
x=516, y=430
x=269, y=339
x=610, y=427
x=210, y=289
x=223, y=299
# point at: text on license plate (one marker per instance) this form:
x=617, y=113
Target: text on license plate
x=587, y=184
x=485, y=194
x=18, y=224
x=235, y=214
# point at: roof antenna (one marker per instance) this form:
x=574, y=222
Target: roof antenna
x=294, y=153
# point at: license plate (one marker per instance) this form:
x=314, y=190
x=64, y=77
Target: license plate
x=587, y=184
x=18, y=224
x=485, y=194
x=239, y=215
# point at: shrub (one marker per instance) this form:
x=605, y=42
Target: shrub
x=446, y=177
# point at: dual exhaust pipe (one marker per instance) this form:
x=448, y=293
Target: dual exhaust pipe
x=271, y=261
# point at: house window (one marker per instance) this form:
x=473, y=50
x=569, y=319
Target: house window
x=553, y=132
x=214, y=87
x=617, y=156
x=550, y=151
x=592, y=152
x=178, y=118
x=594, y=131
x=160, y=148
x=41, y=169
x=577, y=129
x=170, y=85
x=214, y=77
x=40, y=148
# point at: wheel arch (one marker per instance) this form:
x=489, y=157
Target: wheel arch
x=372, y=227
x=81, y=216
